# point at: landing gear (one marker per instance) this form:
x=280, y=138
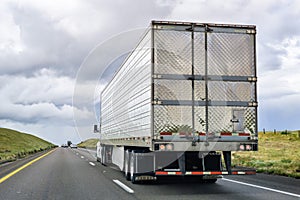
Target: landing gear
x=132, y=168
x=127, y=165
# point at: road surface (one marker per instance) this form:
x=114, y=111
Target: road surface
x=73, y=174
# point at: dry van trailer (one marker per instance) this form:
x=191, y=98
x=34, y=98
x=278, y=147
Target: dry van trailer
x=181, y=102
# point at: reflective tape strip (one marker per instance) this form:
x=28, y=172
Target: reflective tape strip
x=203, y=134
x=239, y=173
x=167, y=173
x=161, y=173
x=244, y=134
x=205, y=173
x=216, y=173
x=226, y=134
x=197, y=173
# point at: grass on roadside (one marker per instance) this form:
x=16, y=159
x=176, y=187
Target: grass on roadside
x=14, y=144
x=278, y=153
x=90, y=143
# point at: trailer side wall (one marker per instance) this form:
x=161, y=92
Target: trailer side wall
x=126, y=101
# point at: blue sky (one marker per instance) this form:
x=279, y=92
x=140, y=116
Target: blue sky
x=44, y=45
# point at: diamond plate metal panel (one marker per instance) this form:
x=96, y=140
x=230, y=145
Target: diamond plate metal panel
x=230, y=54
x=228, y=119
x=199, y=54
x=172, y=52
x=167, y=118
x=172, y=90
x=250, y=119
x=219, y=119
x=230, y=91
x=199, y=90
x=199, y=117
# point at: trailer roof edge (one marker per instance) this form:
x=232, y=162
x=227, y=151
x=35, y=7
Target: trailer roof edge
x=156, y=22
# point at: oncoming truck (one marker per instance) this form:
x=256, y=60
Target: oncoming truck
x=182, y=101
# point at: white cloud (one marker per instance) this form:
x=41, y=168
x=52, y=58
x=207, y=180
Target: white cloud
x=284, y=81
x=44, y=85
x=60, y=34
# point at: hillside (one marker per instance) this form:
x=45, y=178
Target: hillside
x=14, y=144
x=90, y=143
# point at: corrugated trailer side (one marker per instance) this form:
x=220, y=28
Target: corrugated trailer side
x=126, y=100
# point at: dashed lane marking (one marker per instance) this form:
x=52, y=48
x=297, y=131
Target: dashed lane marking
x=123, y=186
x=91, y=163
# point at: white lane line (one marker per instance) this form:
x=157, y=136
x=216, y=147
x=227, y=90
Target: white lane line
x=82, y=157
x=91, y=163
x=123, y=186
x=261, y=187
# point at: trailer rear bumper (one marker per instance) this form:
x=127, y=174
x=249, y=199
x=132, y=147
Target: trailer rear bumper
x=204, y=173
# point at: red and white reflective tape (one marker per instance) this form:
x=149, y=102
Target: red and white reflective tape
x=243, y=172
x=167, y=173
x=203, y=134
x=205, y=173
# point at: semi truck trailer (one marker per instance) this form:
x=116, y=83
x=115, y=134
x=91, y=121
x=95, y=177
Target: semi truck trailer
x=182, y=101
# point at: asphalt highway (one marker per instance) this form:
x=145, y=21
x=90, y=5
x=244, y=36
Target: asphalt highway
x=74, y=174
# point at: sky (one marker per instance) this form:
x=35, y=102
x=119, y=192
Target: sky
x=49, y=51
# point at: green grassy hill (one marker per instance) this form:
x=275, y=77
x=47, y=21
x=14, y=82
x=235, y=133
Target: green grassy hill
x=278, y=153
x=90, y=143
x=14, y=144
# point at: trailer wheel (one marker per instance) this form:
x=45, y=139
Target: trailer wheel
x=127, y=165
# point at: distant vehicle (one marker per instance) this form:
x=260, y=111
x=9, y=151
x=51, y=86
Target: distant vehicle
x=69, y=143
x=64, y=145
x=181, y=102
x=73, y=146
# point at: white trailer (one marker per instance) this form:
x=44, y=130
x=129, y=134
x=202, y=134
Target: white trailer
x=181, y=102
